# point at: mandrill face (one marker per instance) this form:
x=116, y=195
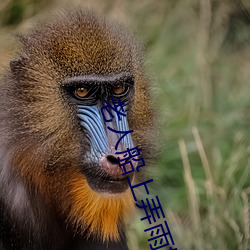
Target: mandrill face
x=53, y=126
x=100, y=164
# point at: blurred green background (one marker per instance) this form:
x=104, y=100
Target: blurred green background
x=198, y=55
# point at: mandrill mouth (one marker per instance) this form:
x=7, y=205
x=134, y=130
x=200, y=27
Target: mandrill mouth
x=103, y=169
x=107, y=176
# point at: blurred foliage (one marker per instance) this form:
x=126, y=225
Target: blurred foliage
x=199, y=57
x=14, y=12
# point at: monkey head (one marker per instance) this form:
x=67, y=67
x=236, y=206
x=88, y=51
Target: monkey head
x=54, y=136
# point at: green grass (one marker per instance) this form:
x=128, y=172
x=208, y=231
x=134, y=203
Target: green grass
x=202, y=92
x=199, y=59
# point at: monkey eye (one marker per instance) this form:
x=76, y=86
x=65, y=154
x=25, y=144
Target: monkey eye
x=118, y=89
x=81, y=92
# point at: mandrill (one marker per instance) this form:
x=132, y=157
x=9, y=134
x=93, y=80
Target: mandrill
x=61, y=183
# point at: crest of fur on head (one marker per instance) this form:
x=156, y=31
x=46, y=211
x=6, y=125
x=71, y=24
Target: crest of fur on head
x=40, y=142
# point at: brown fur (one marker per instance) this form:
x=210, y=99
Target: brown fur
x=39, y=130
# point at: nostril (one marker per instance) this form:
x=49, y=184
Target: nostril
x=112, y=159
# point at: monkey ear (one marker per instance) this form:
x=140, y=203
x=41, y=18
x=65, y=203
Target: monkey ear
x=15, y=64
x=19, y=63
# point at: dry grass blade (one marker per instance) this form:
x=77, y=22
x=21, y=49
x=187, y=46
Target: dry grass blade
x=192, y=197
x=246, y=220
x=204, y=160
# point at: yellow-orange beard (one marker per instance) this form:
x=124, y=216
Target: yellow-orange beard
x=96, y=212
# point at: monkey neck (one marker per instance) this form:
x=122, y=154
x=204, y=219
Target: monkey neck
x=39, y=228
x=27, y=223
x=96, y=245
